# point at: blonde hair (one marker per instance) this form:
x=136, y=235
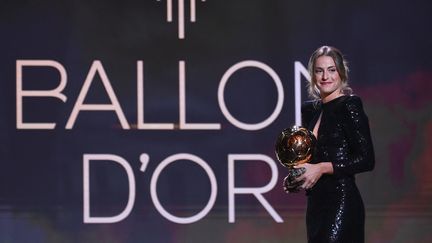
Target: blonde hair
x=341, y=67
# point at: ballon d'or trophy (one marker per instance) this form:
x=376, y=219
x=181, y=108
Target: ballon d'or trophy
x=293, y=147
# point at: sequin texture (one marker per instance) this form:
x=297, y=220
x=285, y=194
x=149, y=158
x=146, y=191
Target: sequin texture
x=335, y=210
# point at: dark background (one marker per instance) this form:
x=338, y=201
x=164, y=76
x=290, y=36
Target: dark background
x=387, y=44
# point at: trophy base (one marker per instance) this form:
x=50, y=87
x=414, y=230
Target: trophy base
x=290, y=184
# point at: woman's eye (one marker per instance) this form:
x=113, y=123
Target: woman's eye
x=318, y=71
x=333, y=70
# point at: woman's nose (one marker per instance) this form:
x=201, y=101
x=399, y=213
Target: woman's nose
x=325, y=75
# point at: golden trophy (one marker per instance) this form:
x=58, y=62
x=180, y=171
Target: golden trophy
x=294, y=146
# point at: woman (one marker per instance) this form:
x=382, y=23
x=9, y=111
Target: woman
x=344, y=148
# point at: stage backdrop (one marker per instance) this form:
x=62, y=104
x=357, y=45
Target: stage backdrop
x=155, y=121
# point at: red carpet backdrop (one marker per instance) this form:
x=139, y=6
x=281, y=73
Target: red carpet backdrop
x=155, y=120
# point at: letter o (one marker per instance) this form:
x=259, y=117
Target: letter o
x=155, y=199
x=275, y=78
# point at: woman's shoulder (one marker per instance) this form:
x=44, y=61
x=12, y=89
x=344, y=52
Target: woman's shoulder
x=352, y=102
x=351, y=106
x=308, y=109
x=310, y=105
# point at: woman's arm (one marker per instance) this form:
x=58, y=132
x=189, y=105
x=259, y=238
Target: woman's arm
x=361, y=155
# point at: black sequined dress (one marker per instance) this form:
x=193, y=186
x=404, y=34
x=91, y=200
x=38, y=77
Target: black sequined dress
x=335, y=211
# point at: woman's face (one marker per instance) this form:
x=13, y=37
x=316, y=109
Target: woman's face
x=327, y=77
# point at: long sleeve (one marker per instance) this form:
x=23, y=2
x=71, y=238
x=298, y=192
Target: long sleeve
x=361, y=153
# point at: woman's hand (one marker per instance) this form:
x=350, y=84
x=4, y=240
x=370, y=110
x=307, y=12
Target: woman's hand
x=313, y=173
